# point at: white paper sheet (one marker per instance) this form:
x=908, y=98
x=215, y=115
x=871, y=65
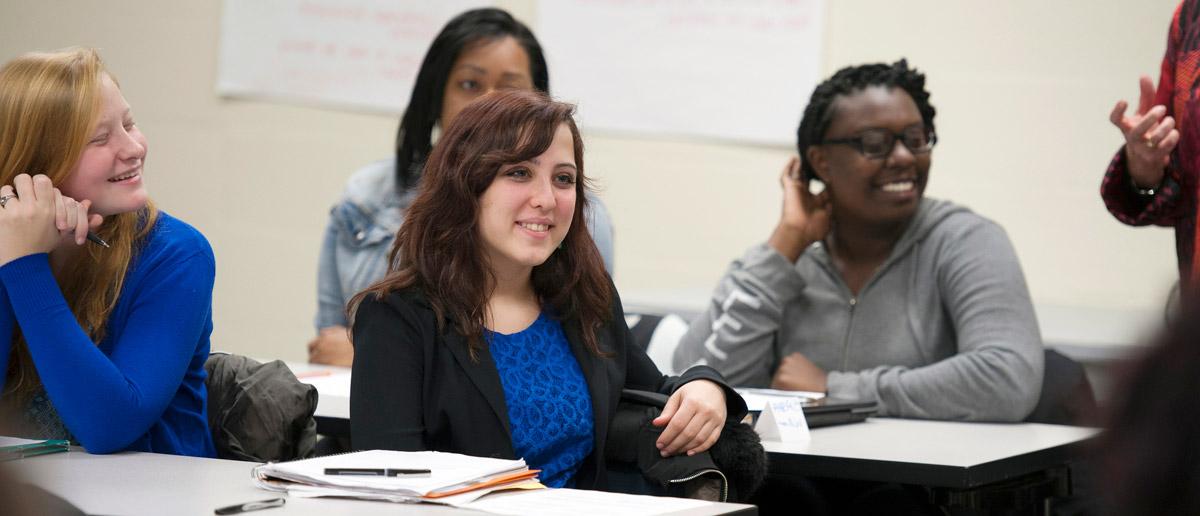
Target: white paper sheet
x=734, y=70
x=331, y=384
x=447, y=469
x=757, y=399
x=16, y=441
x=353, y=53
x=556, y=502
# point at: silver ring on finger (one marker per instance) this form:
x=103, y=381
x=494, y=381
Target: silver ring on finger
x=5, y=198
x=1150, y=142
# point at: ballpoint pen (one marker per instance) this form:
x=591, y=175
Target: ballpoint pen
x=97, y=240
x=251, y=506
x=378, y=472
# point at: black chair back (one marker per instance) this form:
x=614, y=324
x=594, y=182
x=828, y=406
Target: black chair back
x=1067, y=397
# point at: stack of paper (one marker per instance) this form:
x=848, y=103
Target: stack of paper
x=12, y=448
x=451, y=478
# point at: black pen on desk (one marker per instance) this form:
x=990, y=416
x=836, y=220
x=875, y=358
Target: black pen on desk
x=251, y=506
x=378, y=472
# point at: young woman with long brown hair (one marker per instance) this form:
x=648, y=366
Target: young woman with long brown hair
x=478, y=51
x=102, y=345
x=497, y=331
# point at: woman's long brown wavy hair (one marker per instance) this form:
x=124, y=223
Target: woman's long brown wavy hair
x=438, y=247
x=49, y=105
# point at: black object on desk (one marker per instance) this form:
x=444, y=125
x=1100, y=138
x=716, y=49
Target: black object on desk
x=832, y=411
x=251, y=506
x=378, y=472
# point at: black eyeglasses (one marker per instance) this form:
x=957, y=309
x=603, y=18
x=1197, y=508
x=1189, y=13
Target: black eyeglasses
x=878, y=143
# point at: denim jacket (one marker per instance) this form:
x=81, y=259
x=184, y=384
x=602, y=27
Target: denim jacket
x=363, y=225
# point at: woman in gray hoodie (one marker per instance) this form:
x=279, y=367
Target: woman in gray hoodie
x=867, y=290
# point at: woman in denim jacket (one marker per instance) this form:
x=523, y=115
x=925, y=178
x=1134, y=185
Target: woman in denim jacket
x=477, y=52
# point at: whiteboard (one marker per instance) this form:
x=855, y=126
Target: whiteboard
x=739, y=70
x=361, y=54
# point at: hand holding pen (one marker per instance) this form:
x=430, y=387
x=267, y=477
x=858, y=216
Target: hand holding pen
x=36, y=218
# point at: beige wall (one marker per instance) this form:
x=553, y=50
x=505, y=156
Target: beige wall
x=1022, y=88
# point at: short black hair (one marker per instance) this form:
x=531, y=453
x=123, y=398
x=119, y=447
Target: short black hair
x=413, y=140
x=818, y=114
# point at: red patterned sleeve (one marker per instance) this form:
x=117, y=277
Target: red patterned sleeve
x=1137, y=210
x=1117, y=188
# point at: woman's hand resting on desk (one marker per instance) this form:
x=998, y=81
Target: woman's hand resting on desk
x=805, y=218
x=331, y=347
x=37, y=218
x=694, y=417
x=1150, y=136
x=797, y=373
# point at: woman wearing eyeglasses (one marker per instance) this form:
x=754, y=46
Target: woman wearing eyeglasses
x=867, y=290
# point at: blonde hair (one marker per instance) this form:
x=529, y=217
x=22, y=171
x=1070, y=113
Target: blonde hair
x=49, y=104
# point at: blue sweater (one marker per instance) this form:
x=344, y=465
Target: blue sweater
x=549, y=407
x=143, y=387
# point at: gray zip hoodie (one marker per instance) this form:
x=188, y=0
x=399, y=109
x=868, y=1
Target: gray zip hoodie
x=943, y=330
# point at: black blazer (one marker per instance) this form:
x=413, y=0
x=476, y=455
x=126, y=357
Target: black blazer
x=415, y=388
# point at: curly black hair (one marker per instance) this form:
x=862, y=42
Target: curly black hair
x=851, y=79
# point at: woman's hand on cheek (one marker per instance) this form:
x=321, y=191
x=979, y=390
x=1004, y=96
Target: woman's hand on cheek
x=805, y=217
x=28, y=222
x=694, y=417
x=72, y=220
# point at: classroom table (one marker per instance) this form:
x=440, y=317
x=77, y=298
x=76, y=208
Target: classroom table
x=135, y=483
x=964, y=464
x=333, y=400
x=931, y=453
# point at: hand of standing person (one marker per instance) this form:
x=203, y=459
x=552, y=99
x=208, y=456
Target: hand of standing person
x=1150, y=136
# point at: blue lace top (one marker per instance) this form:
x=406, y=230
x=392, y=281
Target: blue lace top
x=549, y=408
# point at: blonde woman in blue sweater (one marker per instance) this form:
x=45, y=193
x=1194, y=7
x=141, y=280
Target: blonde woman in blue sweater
x=101, y=345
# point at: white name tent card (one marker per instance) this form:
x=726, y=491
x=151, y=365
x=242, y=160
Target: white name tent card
x=782, y=419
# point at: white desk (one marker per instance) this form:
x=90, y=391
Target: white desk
x=333, y=385
x=957, y=461
x=134, y=483
x=333, y=396
x=929, y=453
